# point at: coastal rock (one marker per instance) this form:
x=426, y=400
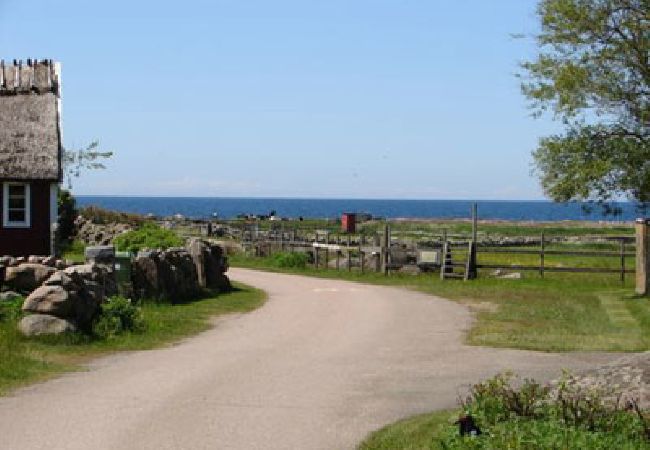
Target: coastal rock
x=40, y=324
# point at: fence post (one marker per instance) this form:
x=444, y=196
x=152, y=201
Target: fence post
x=349, y=255
x=541, y=256
x=316, y=256
x=622, y=260
x=642, y=256
x=385, y=251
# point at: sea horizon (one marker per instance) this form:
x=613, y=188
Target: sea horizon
x=328, y=208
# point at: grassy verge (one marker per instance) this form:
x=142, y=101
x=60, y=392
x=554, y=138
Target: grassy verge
x=25, y=360
x=563, y=312
x=507, y=413
x=419, y=432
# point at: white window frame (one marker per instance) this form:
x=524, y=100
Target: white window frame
x=6, y=223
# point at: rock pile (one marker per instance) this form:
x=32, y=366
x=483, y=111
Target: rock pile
x=165, y=275
x=68, y=300
x=98, y=234
x=622, y=381
x=26, y=274
x=179, y=274
x=211, y=264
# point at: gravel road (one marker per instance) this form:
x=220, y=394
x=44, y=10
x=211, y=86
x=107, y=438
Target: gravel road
x=320, y=365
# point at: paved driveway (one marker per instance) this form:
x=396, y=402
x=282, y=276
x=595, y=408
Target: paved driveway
x=319, y=366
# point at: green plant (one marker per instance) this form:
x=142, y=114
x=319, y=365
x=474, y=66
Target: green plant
x=118, y=315
x=291, y=260
x=148, y=235
x=528, y=417
x=67, y=207
x=10, y=310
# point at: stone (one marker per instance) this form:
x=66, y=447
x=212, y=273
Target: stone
x=60, y=264
x=410, y=269
x=69, y=281
x=169, y=275
x=511, y=276
x=53, y=300
x=50, y=261
x=211, y=264
x=40, y=324
x=7, y=261
x=102, y=254
x=27, y=277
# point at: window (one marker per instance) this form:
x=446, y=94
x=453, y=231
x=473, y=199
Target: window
x=15, y=205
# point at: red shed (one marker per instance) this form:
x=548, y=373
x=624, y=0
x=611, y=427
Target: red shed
x=30, y=157
x=349, y=222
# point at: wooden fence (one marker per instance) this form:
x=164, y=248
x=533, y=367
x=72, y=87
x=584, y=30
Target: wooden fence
x=376, y=252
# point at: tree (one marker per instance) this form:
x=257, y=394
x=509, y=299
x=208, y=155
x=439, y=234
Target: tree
x=75, y=161
x=592, y=71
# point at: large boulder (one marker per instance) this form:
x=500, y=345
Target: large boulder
x=39, y=324
x=69, y=294
x=53, y=300
x=27, y=276
x=168, y=275
x=211, y=264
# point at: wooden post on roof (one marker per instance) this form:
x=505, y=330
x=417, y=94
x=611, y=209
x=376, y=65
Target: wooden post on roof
x=643, y=256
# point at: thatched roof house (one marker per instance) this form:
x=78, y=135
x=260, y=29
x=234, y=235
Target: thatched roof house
x=30, y=155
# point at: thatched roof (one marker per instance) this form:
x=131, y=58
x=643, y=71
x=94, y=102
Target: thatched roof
x=30, y=138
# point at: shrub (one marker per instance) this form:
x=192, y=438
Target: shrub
x=118, y=315
x=103, y=216
x=529, y=417
x=149, y=235
x=67, y=206
x=10, y=310
x=290, y=260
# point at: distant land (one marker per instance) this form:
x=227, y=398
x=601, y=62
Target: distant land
x=228, y=208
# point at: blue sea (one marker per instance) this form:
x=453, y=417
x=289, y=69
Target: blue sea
x=227, y=208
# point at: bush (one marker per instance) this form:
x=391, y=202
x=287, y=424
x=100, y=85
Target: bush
x=103, y=216
x=149, y=235
x=67, y=206
x=291, y=260
x=118, y=315
x=529, y=417
x=10, y=310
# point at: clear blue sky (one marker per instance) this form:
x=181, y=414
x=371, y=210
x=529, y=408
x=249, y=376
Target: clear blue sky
x=292, y=98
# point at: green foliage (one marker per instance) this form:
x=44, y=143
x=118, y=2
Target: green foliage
x=103, y=216
x=290, y=260
x=67, y=207
x=149, y=235
x=10, y=310
x=528, y=417
x=118, y=315
x=593, y=72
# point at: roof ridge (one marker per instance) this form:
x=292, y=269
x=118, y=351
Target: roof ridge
x=34, y=76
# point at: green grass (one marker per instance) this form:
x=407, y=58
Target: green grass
x=74, y=251
x=563, y=312
x=521, y=415
x=25, y=360
x=415, y=433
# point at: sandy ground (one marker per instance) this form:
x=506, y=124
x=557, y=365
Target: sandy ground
x=319, y=366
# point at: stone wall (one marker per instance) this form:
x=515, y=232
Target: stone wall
x=180, y=274
x=98, y=234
